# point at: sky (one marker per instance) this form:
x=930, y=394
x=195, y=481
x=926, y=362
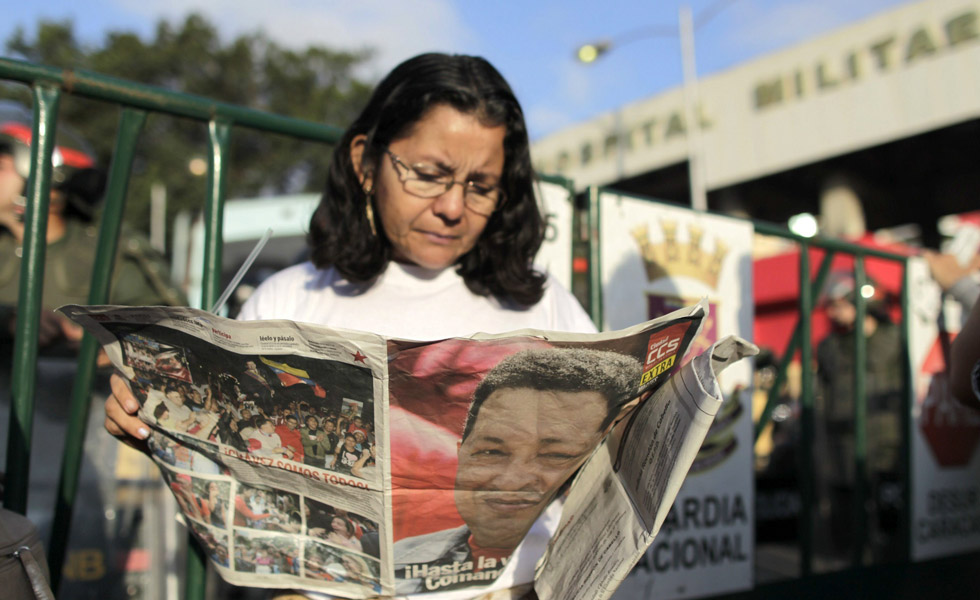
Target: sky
x=531, y=42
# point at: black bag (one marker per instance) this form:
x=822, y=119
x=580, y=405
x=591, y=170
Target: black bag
x=23, y=569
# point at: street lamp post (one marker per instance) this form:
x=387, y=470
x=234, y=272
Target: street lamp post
x=695, y=144
x=589, y=53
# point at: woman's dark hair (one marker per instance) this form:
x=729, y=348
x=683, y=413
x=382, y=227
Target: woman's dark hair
x=500, y=263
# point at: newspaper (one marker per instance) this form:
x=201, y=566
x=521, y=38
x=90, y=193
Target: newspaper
x=345, y=462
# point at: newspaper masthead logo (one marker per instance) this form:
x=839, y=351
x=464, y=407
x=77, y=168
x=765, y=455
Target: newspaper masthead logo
x=661, y=353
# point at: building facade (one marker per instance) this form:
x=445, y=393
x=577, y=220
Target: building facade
x=874, y=125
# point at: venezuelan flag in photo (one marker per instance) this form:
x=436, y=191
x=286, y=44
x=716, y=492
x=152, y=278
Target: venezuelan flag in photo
x=291, y=376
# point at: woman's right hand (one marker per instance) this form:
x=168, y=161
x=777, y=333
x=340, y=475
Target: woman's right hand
x=120, y=414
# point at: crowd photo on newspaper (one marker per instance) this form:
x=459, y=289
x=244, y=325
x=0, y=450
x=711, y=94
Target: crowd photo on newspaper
x=252, y=407
x=364, y=436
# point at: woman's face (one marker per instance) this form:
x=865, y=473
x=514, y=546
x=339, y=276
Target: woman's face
x=339, y=526
x=434, y=232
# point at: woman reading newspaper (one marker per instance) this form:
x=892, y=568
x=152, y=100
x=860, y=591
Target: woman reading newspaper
x=426, y=230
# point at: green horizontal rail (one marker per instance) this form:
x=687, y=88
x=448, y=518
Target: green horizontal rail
x=87, y=84
x=765, y=228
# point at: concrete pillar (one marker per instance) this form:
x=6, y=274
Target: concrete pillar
x=841, y=212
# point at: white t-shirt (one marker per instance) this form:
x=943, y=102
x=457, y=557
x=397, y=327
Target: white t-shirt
x=178, y=412
x=406, y=302
x=411, y=302
x=265, y=444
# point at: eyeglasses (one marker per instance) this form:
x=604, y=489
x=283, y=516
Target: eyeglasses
x=428, y=181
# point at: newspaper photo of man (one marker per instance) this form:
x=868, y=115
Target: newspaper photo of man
x=534, y=420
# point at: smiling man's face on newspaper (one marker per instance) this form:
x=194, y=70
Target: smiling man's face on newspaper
x=524, y=444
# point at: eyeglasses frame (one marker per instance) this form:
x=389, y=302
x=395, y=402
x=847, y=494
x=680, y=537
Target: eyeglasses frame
x=404, y=171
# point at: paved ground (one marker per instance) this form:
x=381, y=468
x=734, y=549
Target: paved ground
x=955, y=578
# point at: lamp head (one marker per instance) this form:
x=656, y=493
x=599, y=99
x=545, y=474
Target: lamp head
x=588, y=53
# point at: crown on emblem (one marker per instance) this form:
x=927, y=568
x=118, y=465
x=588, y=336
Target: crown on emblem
x=671, y=258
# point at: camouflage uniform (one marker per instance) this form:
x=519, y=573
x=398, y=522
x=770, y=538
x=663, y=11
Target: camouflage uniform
x=140, y=276
x=884, y=383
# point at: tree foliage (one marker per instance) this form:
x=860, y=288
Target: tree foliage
x=315, y=83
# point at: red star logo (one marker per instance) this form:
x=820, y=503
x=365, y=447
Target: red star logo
x=358, y=357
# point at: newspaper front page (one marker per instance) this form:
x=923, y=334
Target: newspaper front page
x=344, y=462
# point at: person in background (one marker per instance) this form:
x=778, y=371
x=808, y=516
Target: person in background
x=346, y=456
x=342, y=534
x=162, y=415
x=140, y=277
x=265, y=442
x=957, y=280
x=316, y=445
x=964, y=368
x=291, y=438
x=364, y=467
x=962, y=283
x=884, y=384
x=427, y=229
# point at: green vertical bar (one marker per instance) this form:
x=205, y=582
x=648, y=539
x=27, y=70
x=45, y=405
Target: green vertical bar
x=860, y=514
x=130, y=124
x=595, y=256
x=24, y=380
x=806, y=470
x=908, y=401
x=792, y=348
x=219, y=133
x=570, y=188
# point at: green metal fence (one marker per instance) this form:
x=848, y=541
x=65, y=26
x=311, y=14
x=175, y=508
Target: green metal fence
x=801, y=341
x=135, y=101
x=800, y=346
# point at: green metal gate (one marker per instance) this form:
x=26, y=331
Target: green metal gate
x=800, y=348
x=135, y=102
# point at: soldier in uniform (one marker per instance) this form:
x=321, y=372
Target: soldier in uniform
x=835, y=403
x=140, y=276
